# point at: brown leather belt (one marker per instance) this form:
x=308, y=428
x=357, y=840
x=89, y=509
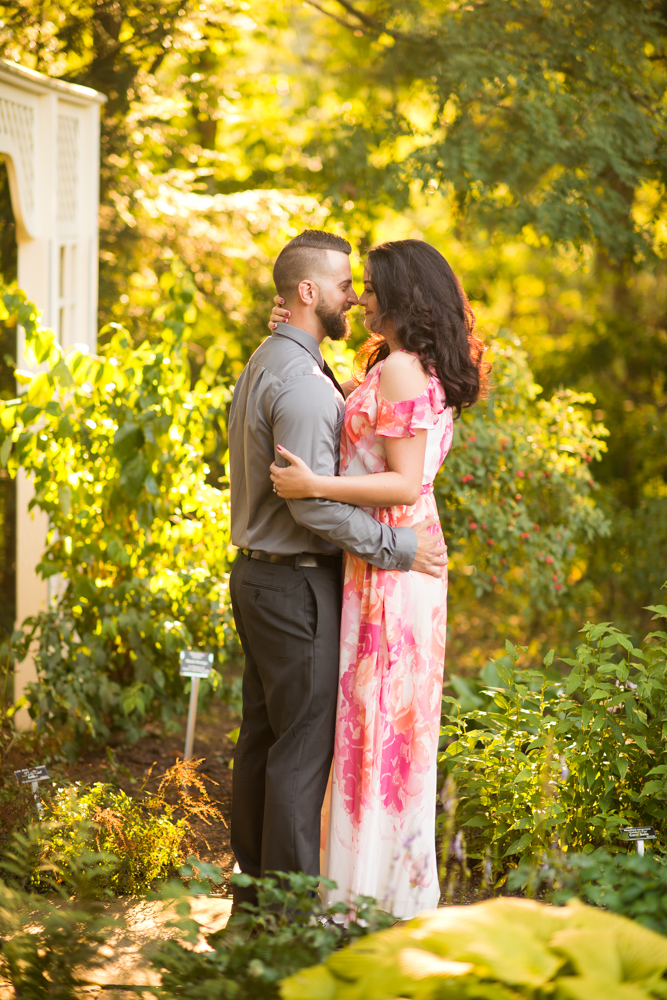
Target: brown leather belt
x=307, y=559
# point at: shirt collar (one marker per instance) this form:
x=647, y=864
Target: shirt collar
x=302, y=338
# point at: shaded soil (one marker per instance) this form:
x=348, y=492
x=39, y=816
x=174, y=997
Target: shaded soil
x=140, y=766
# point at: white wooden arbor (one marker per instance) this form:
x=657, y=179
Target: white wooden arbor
x=50, y=135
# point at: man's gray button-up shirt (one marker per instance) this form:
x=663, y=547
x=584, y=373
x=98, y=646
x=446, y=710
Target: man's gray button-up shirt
x=283, y=397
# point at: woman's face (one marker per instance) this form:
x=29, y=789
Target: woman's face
x=368, y=300
x=371, y=309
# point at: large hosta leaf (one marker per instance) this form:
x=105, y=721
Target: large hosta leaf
x=504, y=939
x=592, y=988
x=641, y=952
x=315, y=983
x=502, y=949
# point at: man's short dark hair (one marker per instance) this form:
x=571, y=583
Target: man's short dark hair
x=302, y=258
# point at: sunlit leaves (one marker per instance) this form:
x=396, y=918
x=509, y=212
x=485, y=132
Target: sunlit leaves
x=553, y=124
x=114, y=444
x=516, y=494
x=546, y=762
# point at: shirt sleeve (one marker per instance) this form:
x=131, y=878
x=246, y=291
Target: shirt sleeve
x=306, y=418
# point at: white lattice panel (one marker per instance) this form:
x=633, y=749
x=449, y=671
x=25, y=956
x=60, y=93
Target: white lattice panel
x=68, y=163
x=18, y=122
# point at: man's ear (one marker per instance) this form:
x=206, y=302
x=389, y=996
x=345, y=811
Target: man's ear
x=308, y=292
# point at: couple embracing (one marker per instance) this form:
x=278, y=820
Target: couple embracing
x=344, y=650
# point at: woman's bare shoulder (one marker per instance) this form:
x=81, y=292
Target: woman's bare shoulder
x=402, y=377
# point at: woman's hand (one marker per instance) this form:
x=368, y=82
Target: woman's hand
x=295, y=480
x=279, y=314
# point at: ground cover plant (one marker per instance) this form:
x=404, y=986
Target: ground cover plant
x=50, y=941
x=541, y=760
x=287, y=930
x=630, y=884
x=497, y=950
x=148, y=834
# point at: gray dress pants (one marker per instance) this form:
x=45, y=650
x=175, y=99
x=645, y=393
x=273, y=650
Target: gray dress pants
x=288, y=620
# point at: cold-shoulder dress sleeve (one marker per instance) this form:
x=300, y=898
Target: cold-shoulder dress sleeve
x=402, y=419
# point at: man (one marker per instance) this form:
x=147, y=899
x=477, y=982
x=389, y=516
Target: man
x=286, y=582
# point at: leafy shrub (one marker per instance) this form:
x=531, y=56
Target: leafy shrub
x=288, y=930
x=148, y=844
x=547, y=760
x=47, y=942
x=629, y=884
x=516, y=494
x=116, y=445
x=146, y=835
x=498, y=950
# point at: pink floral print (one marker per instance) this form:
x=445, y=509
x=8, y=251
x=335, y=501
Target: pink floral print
x=381, y=832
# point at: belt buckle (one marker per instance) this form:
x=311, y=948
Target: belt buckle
x=307, y=559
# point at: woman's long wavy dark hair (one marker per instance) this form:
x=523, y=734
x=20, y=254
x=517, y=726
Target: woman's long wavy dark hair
x=421, y=297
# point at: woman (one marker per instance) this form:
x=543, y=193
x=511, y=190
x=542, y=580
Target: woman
x=421, y=365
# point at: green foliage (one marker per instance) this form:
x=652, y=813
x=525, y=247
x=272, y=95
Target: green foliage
x=634, y=886
x=543, y=759
x=115, y=447
x=146, y=833
x=230, y=126
x=551, y=118
x=499, y=950
x=48, y=942
x=144, y=836
x=515, y=493
x=287, y=930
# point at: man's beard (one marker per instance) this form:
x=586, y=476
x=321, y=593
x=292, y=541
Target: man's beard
x=336, y=324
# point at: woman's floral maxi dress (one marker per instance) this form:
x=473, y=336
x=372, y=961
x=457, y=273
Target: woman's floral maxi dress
x=381, y=832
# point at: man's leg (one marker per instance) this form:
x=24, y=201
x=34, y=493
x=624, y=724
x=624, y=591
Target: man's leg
x=290, y=627
x=255, y=740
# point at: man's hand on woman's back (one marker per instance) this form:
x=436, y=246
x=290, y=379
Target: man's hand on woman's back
x=431, y=553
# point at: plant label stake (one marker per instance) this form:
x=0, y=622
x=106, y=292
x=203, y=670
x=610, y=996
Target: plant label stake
x=195, y=665
x=639, y=834
x=32, y=776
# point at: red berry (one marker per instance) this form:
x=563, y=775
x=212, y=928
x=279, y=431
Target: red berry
x=489, y=541
x=559, y=586
x=548, y=559
x=520, y=474
x=525, y=534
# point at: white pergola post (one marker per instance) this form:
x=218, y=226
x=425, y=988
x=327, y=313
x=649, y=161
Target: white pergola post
x=50, y=135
